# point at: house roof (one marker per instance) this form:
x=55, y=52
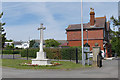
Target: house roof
x=17, y=43
x=64, y=44
x=99, y=23
x=62, y=41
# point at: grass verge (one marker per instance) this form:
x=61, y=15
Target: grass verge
x=15, y=63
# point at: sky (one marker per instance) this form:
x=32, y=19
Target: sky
x=23, y=18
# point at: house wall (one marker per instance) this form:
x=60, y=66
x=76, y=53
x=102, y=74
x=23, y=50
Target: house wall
x=18, y=46
x=94, y=36
x=90, y=42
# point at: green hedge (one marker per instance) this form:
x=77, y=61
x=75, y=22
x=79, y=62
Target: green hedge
x=53, y=53
x=68, y=53
x=11, y=52
x=50, y=53
x=31, y=52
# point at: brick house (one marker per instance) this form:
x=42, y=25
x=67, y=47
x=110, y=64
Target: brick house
x=98, y=32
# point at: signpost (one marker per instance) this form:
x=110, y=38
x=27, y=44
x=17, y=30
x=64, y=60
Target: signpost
x=87, y=50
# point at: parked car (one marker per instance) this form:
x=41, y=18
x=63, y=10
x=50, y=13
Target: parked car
x=91, y=55
x=103, y=53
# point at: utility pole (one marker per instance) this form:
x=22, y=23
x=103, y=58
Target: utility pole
x=83, y=62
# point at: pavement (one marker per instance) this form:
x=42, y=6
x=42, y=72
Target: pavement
x=10, y=56
x=109, y=70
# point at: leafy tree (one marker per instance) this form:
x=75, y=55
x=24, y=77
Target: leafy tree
x=2, y=31
x=115, y=36
x=9, y=46
x=32, y=42
x=9, y=40
x=51, y=43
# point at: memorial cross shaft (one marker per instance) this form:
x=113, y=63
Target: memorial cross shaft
x=41, y=37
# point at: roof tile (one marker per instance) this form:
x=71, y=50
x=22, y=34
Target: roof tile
x=99, y=22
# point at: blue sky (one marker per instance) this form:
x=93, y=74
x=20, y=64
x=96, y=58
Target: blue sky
x=23, y=18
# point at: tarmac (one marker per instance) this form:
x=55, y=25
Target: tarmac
x=108, y=70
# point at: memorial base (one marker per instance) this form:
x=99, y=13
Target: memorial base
x=41, y=59
x=41, y=62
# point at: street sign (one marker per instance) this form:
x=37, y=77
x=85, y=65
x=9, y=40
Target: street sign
x=86, y=47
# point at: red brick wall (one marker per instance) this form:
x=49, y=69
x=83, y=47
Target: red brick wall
x=92, y=34
x=90, y=42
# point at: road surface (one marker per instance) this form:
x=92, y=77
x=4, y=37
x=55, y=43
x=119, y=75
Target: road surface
x=109, y=70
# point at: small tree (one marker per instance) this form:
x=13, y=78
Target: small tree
x=115, y=36
x=9, y=46
x=32, y=42
x=51, y=43
x=2, y=31
x=9, y=40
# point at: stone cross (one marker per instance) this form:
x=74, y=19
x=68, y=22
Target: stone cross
x=41, y=28
x=41, y=56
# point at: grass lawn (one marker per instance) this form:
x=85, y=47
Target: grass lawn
x=15, y=63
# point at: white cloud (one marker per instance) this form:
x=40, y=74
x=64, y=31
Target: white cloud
x=45, y=11
x=22, y=32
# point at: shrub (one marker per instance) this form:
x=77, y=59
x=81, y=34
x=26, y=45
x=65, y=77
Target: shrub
x=70, y=53
x=67, y=53
x=53, y=53
x=11, y=52
x=31, y=52
x=7, y=52
x=16, y=52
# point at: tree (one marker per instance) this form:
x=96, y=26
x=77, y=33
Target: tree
x=9, y=40
x=32, y=42
x=115, y=36
x=9, y=46
x=51, y=43
x=2, y=31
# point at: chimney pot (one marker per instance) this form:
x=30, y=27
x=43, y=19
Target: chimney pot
x=92, y=17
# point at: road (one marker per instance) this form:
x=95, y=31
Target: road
x=109, y=70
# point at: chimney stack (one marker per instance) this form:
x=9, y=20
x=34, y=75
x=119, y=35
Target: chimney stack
x=92, y=17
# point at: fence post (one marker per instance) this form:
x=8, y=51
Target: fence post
x=76, y=55
x=13, y=53
x=27, y=53
x=70, y=56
